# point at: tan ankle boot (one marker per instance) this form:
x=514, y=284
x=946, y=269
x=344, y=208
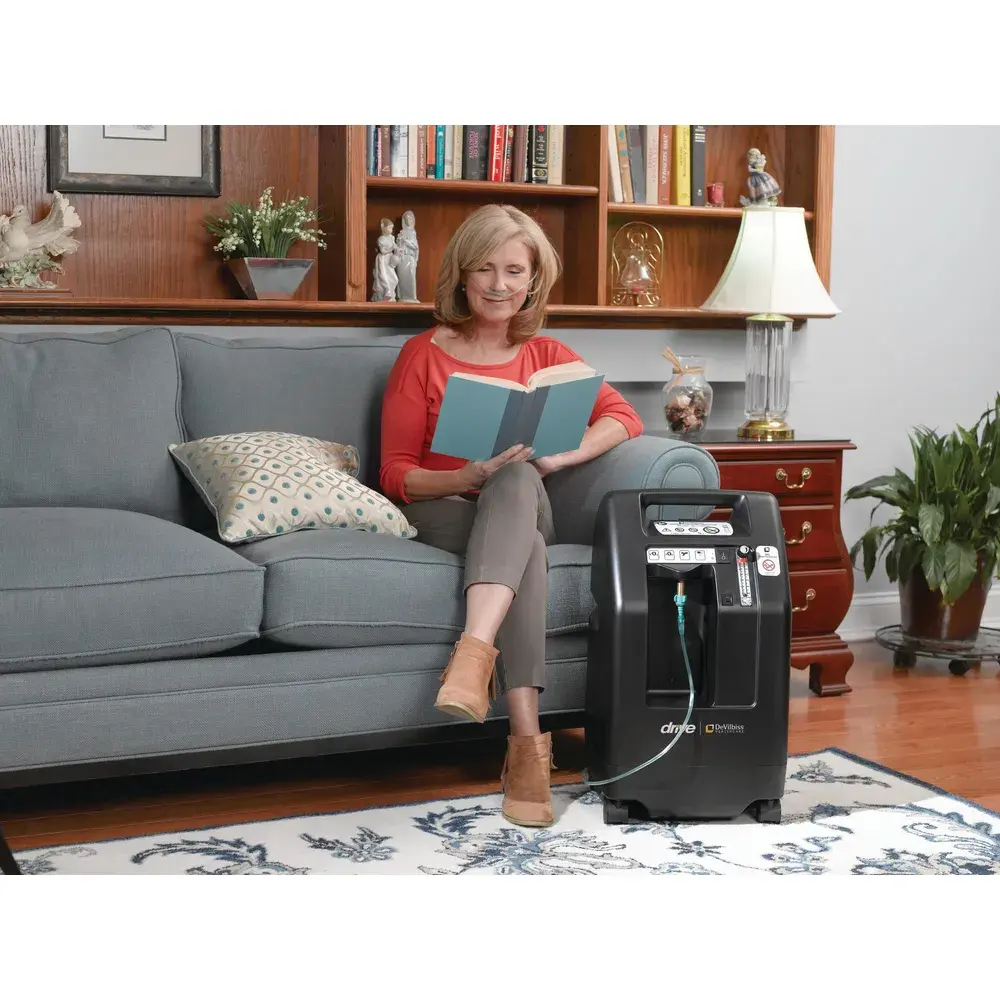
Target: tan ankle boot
x=525, y=780
x=469, y=679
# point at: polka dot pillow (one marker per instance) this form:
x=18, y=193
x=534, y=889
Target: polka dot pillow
x=265, y=483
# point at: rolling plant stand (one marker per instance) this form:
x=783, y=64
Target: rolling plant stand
x=961, y=657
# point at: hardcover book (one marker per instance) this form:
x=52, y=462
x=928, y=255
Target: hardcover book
x=698, y=164
x=539, y=139
x=681, y=170
x=636, y=163
x=482, y=416
x=475, y=159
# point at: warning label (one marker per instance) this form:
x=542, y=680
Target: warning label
x=768, y=563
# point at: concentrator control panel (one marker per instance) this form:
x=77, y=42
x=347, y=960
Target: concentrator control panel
x=693, y=527
x=683, y=556
x=765, y=559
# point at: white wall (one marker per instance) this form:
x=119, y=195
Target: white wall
x=913, y=262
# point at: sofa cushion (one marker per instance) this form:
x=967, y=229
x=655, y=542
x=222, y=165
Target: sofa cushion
x=86, y=420
x=321, y=385
x=349, y=588
x=267, y=483
x=84, y=587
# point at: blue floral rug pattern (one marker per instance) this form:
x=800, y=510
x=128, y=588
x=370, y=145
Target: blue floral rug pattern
x=841, y=815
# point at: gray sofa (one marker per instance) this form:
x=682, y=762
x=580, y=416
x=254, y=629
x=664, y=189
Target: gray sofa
x=133, y=640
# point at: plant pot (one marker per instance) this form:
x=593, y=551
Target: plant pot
x=926, y=617
x=269, y=277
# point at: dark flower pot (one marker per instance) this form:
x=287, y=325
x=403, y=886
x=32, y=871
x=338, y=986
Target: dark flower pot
x=269, y=277
x=926, y=617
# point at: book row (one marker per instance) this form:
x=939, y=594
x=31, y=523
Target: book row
x=525, y=154
x=656, y=164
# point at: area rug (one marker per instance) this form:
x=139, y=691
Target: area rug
x=841, y=815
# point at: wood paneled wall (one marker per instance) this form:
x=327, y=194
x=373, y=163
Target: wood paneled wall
x=157, y=247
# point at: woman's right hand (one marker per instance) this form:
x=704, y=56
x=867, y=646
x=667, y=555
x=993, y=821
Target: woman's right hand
x=477, y=473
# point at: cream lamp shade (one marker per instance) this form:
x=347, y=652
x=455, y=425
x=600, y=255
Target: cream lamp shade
x=771, y=269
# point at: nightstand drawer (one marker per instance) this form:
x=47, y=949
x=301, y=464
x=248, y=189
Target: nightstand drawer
x=820, y=599
x=792, y=478
x=810, y=533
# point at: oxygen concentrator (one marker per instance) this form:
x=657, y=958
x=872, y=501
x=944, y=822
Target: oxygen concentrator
x=688, y=666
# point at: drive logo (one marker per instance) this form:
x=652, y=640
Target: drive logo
x=673, y=727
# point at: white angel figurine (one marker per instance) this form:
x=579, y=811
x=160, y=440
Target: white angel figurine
x=384, y=277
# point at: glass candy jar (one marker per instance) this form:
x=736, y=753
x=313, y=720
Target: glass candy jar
x=687, y=398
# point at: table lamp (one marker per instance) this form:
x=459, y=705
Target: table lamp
x=770, y=277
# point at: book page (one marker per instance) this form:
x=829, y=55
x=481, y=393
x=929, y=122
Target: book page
x=506, y=383
x=554, y=374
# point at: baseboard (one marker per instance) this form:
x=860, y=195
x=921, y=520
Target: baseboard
x=870, y=612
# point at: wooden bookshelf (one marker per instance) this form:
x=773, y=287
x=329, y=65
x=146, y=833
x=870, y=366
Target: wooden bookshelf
x=485, y=190
x=582, y=223
x=149, y=259
x=687, y=211
x=60, y=309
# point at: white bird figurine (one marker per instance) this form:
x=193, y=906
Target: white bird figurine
x=19, y=236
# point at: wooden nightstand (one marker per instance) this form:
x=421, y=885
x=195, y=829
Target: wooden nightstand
x=805, y=476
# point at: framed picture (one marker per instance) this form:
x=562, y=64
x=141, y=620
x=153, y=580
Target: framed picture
x=135, y=159
x=158, y=133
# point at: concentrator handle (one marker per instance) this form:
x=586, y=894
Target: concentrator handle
x=690, y=498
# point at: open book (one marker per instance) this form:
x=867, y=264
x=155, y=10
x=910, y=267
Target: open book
x=483, y=416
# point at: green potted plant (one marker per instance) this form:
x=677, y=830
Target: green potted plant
x=254, y=243
x=942, y=544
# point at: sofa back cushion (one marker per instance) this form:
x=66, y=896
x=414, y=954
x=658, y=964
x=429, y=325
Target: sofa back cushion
x=318, y=385
x=86, y=419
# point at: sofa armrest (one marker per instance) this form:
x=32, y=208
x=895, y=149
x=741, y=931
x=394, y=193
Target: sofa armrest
x=641, y=463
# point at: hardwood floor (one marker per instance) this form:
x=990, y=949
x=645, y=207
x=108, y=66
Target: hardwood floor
x=924, y=722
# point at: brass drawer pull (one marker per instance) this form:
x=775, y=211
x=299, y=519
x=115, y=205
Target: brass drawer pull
x=806, y=528
x=782, y=476
x=810, y=596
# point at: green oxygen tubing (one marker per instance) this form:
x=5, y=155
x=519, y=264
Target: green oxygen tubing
x=680, y=599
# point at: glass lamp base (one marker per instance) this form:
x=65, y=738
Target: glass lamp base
x=767, y=378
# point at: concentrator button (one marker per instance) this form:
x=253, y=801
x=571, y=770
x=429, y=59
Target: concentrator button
x=744, y=551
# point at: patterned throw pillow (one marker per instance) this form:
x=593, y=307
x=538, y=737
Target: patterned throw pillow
x=264, y=483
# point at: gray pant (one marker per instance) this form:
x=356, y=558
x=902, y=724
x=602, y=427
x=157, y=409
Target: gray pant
x=502, y=533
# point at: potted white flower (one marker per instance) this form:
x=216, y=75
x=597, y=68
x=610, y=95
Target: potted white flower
x=254, y=243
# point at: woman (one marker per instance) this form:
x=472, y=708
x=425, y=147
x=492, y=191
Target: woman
x=495, y=279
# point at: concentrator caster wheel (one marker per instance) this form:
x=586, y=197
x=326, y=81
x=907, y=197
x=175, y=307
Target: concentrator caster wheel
x=960, y=667
x=903, y=659
x=767, y=811
x=615, y=812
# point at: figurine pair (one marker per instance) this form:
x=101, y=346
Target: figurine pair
x=395, y=272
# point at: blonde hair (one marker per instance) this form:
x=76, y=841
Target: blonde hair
x=469, y=248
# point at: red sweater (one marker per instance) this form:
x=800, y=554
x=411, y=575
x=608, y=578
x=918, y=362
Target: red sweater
x=413, y=395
